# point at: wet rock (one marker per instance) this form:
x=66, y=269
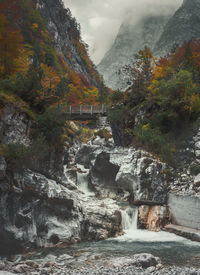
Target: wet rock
x=154, y=218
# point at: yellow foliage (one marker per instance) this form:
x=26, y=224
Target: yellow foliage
x=51, y=77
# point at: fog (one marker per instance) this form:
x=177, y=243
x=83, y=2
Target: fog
x=100, y=19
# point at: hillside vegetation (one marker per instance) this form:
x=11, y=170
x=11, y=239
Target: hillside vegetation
x=163, y=104
x=35, y=77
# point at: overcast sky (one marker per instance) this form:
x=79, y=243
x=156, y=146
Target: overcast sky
x=100, y=19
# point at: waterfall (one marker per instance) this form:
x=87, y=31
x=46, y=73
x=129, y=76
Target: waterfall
x=82, y=181
x=130, y=218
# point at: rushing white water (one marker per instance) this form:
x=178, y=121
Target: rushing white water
x=82, y=181
x=129, y=218
x=132, y=234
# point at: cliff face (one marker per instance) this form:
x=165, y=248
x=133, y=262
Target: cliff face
x=160, y=33
x=183, y=26
x=130, y=39
x=66, y=34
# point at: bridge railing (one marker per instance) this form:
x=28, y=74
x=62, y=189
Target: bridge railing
x=86, y=109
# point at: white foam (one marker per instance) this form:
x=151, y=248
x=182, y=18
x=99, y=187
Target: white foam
x=132, y=234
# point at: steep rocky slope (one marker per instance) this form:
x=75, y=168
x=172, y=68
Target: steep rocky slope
x=40, y=204
x=130, y=39
x=183, y=26
x=66, y=34
x=160, y=33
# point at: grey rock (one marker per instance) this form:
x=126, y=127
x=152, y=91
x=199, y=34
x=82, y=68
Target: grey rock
x=183, y=26
x=3, y=167
x=47, y=213
x=15, y=125
x=197, y=181
x=143, y=260
x=131, y=170
x=61, y=27
x=132, y=37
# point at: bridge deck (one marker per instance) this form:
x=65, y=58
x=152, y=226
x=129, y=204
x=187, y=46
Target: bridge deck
x=85, y=111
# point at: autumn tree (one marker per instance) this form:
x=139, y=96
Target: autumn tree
x=141, y=73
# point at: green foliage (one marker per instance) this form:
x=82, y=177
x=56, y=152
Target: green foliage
x=84, y=134
x=116, y=97
x=154, y=141
x=117, y=113
x=163, y=102
x=62, y=87
x=16, y=155
x=51, y=125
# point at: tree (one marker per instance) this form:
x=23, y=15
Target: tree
x=11, y=44
x=141, y=74
x=62, y=88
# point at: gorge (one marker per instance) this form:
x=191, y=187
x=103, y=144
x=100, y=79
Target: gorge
x=107, y=194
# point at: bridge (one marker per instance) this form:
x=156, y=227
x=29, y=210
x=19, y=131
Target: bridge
x=86, y=112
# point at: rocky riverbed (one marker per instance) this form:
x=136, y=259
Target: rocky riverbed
x=66, y=264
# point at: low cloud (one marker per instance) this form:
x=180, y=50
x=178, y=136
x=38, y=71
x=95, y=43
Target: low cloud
x=100, y=19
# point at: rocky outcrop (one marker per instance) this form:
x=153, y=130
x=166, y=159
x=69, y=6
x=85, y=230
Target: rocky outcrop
x=161, y=34
x=183, y=26
x=14, y=125
x=41, y=205
x=121, y=169
x=131, y=38
x=37, y=211
x=65, y=31
x=153, y=218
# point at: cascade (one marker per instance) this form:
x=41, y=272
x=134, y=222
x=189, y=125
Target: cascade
x=82, y=181
x=130, y=218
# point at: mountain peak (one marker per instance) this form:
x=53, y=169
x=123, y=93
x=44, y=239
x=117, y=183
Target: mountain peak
x=183, y=26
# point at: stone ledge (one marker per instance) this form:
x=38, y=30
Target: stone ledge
x=185, y=232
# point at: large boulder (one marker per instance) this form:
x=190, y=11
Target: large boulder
x=122, y=169
x=145, y=178
x=153, y=218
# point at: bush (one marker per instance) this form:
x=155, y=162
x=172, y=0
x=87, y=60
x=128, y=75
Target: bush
x=15, y=155
x=50, y=125
x=155, y=141
x=84, y=134
x=18, y=155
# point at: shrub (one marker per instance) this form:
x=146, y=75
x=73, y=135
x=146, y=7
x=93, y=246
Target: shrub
x=15, y=155
x=18, y=155
x=50, y=125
